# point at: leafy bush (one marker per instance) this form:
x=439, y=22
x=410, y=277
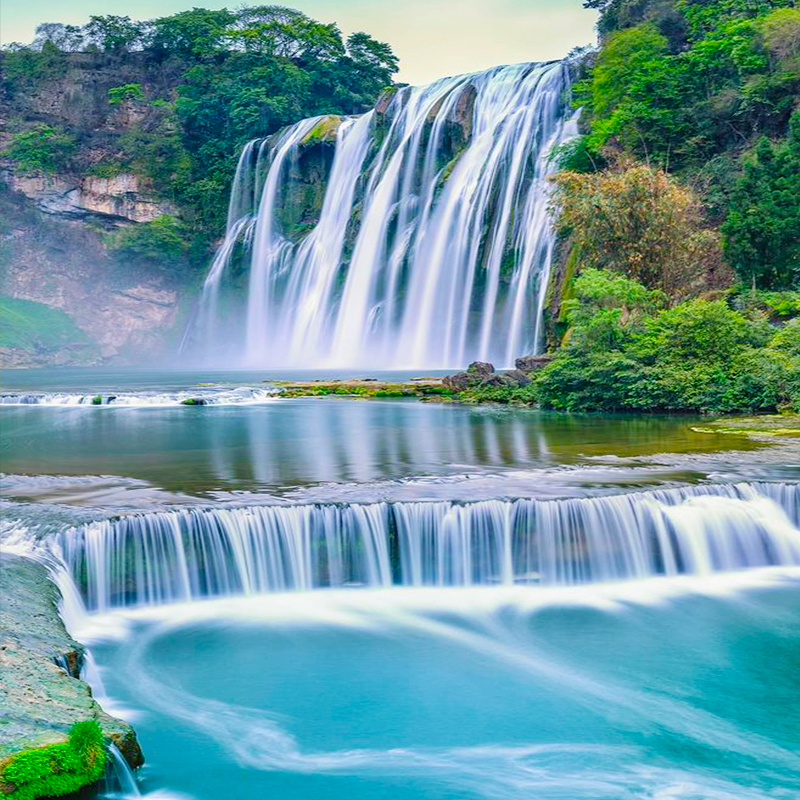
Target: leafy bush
x=162, y=241
x=626, y=353
x=126, y=93
x=57, y=769
x=41, y=150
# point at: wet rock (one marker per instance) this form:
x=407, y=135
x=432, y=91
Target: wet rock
x=532, y=363
x=459, y=382
x=498, y=379
x=40, y=697
x=519, y=377
x=480, y=368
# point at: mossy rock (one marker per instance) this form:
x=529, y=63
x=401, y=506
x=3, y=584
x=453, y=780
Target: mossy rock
x=324, y=131
x=56, y=769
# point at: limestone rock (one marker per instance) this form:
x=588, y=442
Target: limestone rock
x=119, y=198
x=41, y=696
x=480, y=368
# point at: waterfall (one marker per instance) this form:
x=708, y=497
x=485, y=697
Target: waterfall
x=186, y=554
x=430, y=245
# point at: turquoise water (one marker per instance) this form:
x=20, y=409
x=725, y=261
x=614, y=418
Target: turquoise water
x=664, y=688
x=661, y=689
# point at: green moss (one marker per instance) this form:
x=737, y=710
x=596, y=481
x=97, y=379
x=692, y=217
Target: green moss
x=193, y=401
x=34, y=326
x=56, y=769
x=324, y=131
x=97, y=400
x=363, y=389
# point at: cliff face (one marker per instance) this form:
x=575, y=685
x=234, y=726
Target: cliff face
x=57, y=225
x=59, y=260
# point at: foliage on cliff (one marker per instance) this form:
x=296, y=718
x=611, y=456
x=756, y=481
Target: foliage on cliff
x=639, y=221
x=182, y=94
x=56, y=769
x=681, y=208
x=708, y=90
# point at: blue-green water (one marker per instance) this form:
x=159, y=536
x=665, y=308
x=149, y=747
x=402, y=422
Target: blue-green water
x=664, y=688
x=660, y=689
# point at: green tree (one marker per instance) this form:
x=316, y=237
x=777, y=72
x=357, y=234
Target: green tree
x=761, y=236
x=114, y=34
x=43, y=149
x=196, y=34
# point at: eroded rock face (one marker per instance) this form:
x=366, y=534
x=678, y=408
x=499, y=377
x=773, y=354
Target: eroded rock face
x=41, y=695
x=119, y=198
x=128, y=312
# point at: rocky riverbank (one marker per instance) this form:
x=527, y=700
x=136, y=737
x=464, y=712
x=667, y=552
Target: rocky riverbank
x=41, y=695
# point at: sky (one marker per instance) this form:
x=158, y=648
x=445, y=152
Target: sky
x=432, y=38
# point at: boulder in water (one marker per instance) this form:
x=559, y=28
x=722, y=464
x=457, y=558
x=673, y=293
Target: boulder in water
x=480, y=368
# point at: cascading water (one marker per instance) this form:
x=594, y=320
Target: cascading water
x=431, y=246
x=182, y=555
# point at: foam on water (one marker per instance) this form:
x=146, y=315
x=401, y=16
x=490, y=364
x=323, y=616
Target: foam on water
x=243, y=395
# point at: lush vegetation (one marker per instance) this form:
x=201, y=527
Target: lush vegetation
x=628, y=351
x=197, y=85
x=680, y=210
x=41, y=150
x=57, y=769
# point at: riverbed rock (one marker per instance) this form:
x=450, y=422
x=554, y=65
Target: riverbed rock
x=480, y=368
x=459, y=382
x=41, y=695
x=532, y=363
x=519, y=377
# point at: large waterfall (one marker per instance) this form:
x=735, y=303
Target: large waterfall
x=181, y=555
x=416, y=235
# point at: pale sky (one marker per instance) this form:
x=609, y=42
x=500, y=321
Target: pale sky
x=432, y=38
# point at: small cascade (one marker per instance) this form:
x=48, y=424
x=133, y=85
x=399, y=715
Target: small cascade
x=193, y=553
x=120, y=782
x=203, y=396
x=430, y=246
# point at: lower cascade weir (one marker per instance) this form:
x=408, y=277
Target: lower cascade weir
x=415, y=235
x=189, y=554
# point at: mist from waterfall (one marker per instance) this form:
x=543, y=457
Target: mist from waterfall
x=432, y=245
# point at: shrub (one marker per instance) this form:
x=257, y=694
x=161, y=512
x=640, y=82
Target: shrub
x=126, y=93
x=626, y=353
x=41, y=150
x=163, y=241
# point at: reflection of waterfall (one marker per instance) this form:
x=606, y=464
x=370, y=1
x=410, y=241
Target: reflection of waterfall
x=180, y=555
x=432, y=243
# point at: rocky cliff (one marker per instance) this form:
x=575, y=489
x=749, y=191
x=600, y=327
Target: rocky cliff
x=59, y=220
x=41, y=694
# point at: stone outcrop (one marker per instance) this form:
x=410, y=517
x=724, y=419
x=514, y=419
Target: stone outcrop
x=42, y=696
x=127, y=311
x=528, y=364
x=119, y=199
x=482, y=374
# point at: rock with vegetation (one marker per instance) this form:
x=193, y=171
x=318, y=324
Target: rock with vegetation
x=53, y=731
